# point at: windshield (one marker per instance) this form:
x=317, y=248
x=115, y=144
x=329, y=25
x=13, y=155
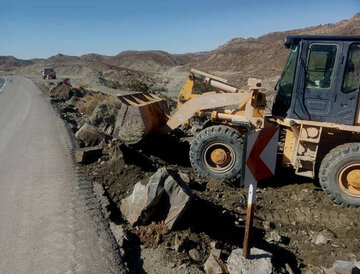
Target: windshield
x=286, y=83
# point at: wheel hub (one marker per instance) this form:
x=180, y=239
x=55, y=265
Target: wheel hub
x=349, y=179
x=219, y=156
x=353, y=178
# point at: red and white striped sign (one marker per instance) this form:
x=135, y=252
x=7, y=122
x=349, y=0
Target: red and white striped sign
x=260, y=163
x=261, y=151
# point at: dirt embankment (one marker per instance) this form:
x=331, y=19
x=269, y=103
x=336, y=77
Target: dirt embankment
x=294, y=219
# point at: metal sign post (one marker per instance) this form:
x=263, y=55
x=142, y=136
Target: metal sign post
x=249, y=219
x=259, y=161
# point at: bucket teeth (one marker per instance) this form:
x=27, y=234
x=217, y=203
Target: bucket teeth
x=140, y=98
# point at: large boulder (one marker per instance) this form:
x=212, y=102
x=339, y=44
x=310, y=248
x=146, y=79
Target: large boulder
x=164, y=197
x=89, y=135
x=258, y=262
x=104, y=117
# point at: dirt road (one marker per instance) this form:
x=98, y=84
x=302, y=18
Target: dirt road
x=50, y=220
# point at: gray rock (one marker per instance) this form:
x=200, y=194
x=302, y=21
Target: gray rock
x=344, y=267
x=180, y=243
x=179, y=198
x=146, y=201
x=259, y=262
x=324, y=237
x=273, y=237
x=195, y=254
x=120, y=234
x=139, y=206
x=214, y=265
x=104, y=117
x=88, y=154
x=89, y=135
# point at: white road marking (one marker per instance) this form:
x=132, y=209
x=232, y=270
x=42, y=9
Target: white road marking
x=1, y=88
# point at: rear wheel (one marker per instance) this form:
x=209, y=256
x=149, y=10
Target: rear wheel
x=216, y=152
x=339, y=175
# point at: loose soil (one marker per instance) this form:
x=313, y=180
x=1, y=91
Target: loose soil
x=293, y=207
x=290, y=212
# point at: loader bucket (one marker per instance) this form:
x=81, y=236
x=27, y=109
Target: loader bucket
x=139, y=115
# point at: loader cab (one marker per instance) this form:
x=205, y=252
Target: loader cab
x=321, y=80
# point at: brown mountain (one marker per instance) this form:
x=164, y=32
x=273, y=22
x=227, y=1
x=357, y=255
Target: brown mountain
x=265, y=56
x=11, y=61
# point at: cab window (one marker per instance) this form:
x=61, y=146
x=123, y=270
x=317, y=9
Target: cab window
x=351, y=80
x=321, y=64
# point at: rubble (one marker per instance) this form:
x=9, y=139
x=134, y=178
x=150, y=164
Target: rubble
x=149, y=202
x=195, y=254
x=343, y=267
x=104, y=117
x=180, y=243
x=88, y=154
x=214, y=264
x=259, y=262
x=273, y=237
x=89, y=135
x=324, y=237
x=64, y=93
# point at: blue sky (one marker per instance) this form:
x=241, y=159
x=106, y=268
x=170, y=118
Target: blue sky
x=38, y=28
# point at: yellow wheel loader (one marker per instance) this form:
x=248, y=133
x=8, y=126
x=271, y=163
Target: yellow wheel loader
x=316, y=107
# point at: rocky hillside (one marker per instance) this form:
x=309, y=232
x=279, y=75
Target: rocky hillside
x=10, y=61
x=265, y=56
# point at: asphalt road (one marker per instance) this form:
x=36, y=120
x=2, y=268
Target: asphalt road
x=2, y=82
x=50, y=221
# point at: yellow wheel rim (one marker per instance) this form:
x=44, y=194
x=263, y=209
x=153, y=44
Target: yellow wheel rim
x=349, y=179
x=219, y=157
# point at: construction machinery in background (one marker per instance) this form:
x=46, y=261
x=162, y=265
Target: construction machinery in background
x=316, y=107
x=48, y=73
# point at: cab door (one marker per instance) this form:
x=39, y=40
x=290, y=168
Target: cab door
x=318, y=82
x=346, y=98
x=327, y=88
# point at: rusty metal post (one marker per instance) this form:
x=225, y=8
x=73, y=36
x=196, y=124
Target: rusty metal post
x=249, y=219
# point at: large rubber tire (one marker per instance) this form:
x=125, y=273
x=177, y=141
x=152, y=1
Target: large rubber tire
x=209, y=137
x=331, y=169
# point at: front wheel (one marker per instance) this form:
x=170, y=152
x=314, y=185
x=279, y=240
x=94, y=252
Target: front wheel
x=216, y=152
x=339, y=175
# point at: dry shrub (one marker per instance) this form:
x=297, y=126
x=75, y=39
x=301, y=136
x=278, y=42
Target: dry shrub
x=82, y=85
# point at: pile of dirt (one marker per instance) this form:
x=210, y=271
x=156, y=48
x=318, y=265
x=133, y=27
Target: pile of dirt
x=63, y=92
x=152, y=235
